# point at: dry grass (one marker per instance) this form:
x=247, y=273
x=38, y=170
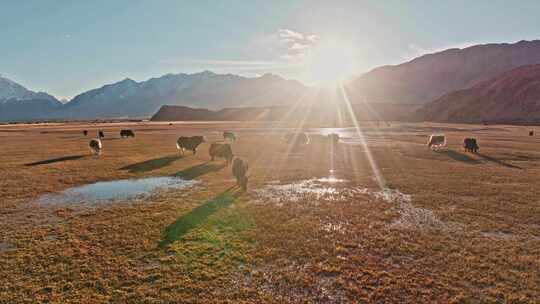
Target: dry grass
x=470, y=232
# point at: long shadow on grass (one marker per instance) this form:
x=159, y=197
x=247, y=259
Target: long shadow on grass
x=151, y=164
x=193, y=219
x=55, y=160
x=498, y=161
x=455, y=155
x=199, y=170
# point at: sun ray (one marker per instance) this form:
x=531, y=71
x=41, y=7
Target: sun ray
x=373, y=164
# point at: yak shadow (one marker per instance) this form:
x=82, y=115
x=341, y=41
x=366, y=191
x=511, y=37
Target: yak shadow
x=55, y=160
x=151, y=164
x=199, y=170
x=195, y=217
x=498, y=161
x=455, y=155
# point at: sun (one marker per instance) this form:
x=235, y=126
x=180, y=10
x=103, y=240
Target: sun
x=331, y=63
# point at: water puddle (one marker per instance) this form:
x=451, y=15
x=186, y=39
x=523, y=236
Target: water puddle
x=333, y=189
x=410, y=216
x=110, y=191
x=325, y=188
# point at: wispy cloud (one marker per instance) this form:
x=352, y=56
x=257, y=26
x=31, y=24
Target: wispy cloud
x=295, y=45
x=280, y=50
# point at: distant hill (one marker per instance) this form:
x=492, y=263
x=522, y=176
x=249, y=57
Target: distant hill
x=511, y=97
x=128, y=98
x=10, y=90
x=331, y=114
x=201, y=90
x=428, y=77
x=19, y=103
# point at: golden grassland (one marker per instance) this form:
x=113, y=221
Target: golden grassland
x=470, y=232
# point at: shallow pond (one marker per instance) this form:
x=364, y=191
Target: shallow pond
x=125, y=189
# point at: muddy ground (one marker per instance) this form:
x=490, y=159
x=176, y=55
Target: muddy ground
x=375, y=218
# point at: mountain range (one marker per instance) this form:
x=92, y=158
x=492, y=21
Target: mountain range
x=430, y=76
x=510, y=97
x=437, y=81
x=129, y=98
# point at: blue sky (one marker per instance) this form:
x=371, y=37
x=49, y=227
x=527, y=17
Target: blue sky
x=66, y=47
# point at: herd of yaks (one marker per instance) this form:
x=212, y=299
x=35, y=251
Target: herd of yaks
x=437, y=141
x=223, y=150
x=240, y=165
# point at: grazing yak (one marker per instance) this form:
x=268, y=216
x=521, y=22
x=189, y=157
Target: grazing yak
x=229, y=135
x=85, y=132
x=531, y=133
x=436, y=141
x=221, y=150
x=95, y=146
x=470, y=145
x=239, y=170
x=189, y=143
x=126, y=133
x=297, y=138
x=100, y=134
x=333, y=137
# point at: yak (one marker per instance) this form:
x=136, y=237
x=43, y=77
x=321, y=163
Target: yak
x=333, y=137
x=470, y=145
x=239, y=170
x=229, y=135
x=189, y=143
x=436, y=141
x=95, y=146
x=221, y=150
x=297, y=138
x=126, y=133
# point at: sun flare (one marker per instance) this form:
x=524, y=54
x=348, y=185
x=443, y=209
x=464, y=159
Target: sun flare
x=331, y=63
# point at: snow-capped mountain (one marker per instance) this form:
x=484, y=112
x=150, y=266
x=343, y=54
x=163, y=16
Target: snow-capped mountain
x=19, y=103
x=10, y=90
x=201, y=90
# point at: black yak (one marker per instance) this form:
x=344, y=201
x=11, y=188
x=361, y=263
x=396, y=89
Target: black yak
x=239, y=170
x=127, y=133
x=221, y=150
x=470, y=145
x=85, y=132
x=100, y=134
x=189, y=143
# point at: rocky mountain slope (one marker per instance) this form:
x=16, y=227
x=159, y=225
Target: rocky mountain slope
x=511, y=97
x=428, y=77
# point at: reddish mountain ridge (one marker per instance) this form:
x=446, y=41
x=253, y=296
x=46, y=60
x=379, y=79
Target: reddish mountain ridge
x=430, y=76
x=511, y=97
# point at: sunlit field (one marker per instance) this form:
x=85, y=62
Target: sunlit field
x=376, y=217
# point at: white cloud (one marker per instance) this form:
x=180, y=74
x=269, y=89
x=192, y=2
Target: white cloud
x=292, y=45
x=289, y=34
